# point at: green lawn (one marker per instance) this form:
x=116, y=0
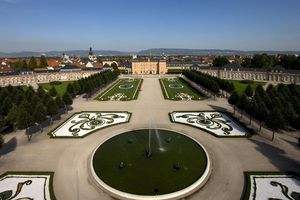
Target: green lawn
x=240, y=86
x=61, y=88
x=123, y=90
x=177, y=89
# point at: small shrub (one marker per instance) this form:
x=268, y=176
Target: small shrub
x=55, y=83
x=247, y=81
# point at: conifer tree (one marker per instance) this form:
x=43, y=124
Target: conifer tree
x=32, y=63
x=43, y=61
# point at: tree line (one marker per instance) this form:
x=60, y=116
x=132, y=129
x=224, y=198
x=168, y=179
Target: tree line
x=264, y=61
x=23, y=107
x=269, y=61
x=278, y=107
x=212, y=83
x=23, y=65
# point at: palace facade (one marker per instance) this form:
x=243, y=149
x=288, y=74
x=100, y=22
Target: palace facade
x=275, y=75
x=149, y=66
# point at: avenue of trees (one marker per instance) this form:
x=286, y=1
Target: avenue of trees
x=278, y=107
x=24, y=107
x=212, y=83
x=269, y=61
x=264, y=61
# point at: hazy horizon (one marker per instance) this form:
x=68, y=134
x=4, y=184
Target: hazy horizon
x=55, y=25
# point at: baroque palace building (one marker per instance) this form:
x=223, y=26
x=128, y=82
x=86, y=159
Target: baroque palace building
x=149, y=66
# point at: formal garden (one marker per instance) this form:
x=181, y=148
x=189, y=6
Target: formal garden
x=158, y=163
x=123, y=90
x=272, y=185
x=27, y=185
x=216, y=123
x=179, y=90
x=84, y=123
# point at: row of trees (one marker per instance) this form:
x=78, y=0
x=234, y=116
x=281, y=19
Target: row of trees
x=278, y=107
x=264, y=61
x=212, y=83
x=269, y=61
x=25, y=107
x=24, y=65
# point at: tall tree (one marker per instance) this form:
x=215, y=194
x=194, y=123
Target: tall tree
x=52, y=108
x=53, y=91
x=261, y=113
x=24, y=119
x=242, y=103
x=70, y=90
x=32, y=63
x=43, y=61
x=233, y=100
x=41, y=92
x=39, y=113
x=275, y=120
x=220, y=61
x=251, y=108
x=13, y=114
x=249, y=91
x=59, y=102
x=67, y=99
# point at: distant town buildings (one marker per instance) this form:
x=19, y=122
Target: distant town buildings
x=69, y=67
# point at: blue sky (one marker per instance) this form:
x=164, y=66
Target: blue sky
x=129, y=25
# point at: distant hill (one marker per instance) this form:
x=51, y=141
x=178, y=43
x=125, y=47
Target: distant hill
x=59, y=53
x=213, y=52
x=155, y=51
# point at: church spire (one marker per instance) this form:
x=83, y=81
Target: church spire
x=91, y=52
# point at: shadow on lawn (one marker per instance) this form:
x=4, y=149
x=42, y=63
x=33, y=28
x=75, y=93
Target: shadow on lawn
x=8, y=146
x=277, y=156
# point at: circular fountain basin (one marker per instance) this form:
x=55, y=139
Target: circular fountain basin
x=150, y=164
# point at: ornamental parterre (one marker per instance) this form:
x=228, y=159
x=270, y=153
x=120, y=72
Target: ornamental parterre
x=272, y=186
x=217, y=123
x=27, y=186
x=84, y=123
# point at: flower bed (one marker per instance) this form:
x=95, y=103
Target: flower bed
x=272, y=185
x=216, y=123
x=84, y=123
x=26, y=185
x=123, y=90
x=178, y=89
